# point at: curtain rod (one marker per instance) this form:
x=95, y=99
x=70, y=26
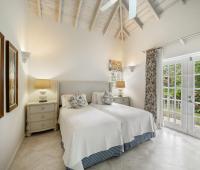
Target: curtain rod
x=181, y=40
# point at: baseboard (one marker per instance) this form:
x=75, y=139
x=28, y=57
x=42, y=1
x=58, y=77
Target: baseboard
x=15, y=152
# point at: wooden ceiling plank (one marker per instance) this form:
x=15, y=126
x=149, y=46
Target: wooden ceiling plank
x=153, y=10
x=80, y=3
x=39, y=7
x=111, y=19
x=60, y=11
x=136, y=19
x=96, y=14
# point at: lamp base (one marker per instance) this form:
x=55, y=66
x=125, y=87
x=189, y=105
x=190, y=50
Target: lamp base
x=120, y=93
x=42, y=97
x=42, y=101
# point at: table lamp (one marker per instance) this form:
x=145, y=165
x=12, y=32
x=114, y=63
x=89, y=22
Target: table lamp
x=42, y=85
x=120, y=85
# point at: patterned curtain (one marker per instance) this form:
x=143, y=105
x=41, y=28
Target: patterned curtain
x=150, y=91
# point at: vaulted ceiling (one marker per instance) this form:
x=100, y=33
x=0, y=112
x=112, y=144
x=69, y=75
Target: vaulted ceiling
x=86, y=14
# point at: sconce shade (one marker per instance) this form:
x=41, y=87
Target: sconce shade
x=132, y=68
x=42, y=84
x=120, y=84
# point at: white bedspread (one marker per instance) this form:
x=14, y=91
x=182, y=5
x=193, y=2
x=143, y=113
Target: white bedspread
x=87, y=131
x=134, y=121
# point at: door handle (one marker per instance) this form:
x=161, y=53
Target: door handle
x=190, y=101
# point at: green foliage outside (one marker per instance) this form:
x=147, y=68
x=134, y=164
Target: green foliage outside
x=172, y=76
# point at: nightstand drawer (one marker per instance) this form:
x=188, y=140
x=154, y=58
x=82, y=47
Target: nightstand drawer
x=40, y=116
x=42, y=108
x=42, y=125
x=122, y=100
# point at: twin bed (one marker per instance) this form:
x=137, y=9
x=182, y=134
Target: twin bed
x=95, y=133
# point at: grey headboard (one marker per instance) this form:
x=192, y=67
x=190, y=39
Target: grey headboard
x=86, y=87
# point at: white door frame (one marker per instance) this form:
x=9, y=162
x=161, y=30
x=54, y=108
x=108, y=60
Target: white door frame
x=188, y=85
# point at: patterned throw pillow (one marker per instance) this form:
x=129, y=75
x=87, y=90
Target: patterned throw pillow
x=107, y=98
x=77, y=101
x=73, y=102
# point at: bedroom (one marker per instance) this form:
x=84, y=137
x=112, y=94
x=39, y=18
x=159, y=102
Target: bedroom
x=64, y=47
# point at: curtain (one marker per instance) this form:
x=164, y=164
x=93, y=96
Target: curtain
x=151, y=82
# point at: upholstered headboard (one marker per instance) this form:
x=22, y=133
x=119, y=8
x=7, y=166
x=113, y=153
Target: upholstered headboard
x=86, y=87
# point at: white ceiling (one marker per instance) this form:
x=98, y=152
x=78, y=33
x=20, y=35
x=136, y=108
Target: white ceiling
x=82, y=15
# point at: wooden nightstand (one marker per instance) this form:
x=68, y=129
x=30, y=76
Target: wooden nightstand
x=122, y=100
x=41, y=117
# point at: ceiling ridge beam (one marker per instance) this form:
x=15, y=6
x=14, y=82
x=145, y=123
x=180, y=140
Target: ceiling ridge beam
x=136, y=19
x=80, y=3
x=96, y=14
x=39, y=8
x=125, y=31
x=60, y=11
x=111, y=19
x=121, y=19
x=153, y=10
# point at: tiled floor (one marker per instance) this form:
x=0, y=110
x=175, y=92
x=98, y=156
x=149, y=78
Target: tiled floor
x=170, y=150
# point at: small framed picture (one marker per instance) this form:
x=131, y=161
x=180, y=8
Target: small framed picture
x=1, y=75
x=11, y=77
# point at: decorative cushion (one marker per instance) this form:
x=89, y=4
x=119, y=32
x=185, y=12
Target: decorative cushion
x=77, y=101
x=73, y=102
x=107, y=98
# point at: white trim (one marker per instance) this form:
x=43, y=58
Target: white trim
x=181, y=57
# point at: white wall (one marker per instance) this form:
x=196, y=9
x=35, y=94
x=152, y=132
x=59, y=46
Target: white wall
x=63, y=53
x=12, y=25
x=178, y=21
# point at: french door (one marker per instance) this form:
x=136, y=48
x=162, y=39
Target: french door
x=181, y=94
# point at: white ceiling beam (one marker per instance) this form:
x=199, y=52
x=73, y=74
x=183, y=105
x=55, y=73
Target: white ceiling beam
x=111, y=19
x=125, y=31
x=96, y=14
x=78, y=13
x=121, y=20
x=60, y=11
x=136, y=19
x=39, y=8
x=153, y=10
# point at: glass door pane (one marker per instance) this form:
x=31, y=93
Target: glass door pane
x=172, y=93
x=196, y=93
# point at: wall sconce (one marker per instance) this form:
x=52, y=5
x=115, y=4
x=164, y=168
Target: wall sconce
x=131, y=68
x=25, y=56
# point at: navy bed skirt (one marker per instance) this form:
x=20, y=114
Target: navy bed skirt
x=114, y=151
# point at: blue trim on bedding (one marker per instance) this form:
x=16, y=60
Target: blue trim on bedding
x=101, y=156
x=138, y=140
x=114, y=151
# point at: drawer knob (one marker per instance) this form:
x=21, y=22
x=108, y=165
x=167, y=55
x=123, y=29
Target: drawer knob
x=43, y=108
x=43, y=116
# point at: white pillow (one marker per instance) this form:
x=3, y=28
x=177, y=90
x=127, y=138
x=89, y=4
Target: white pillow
x=65, y=100
x=97, y=97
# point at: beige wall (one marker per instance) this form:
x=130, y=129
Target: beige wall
x=12, y=25
x=179, y=20
x=63, y=53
